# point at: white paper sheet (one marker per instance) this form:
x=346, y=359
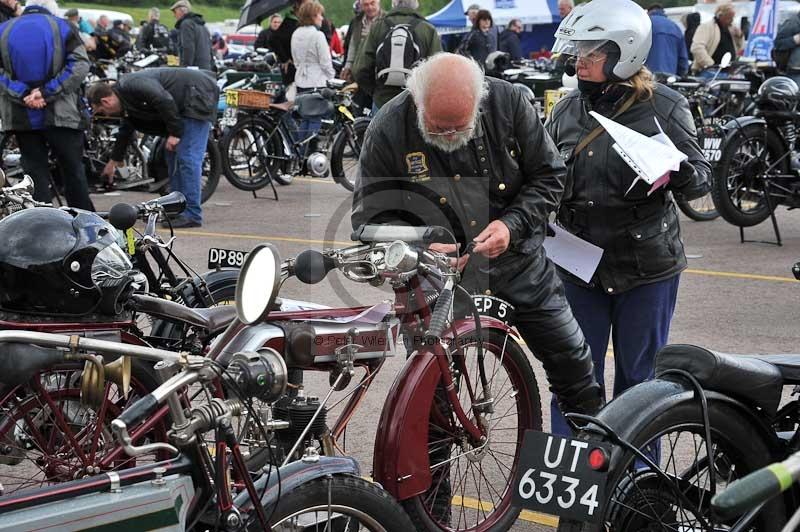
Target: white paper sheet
x=574, y=254
x=650, y=157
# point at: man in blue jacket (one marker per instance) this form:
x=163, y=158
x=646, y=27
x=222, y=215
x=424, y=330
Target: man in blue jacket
x=42, y=65
x=668, y=53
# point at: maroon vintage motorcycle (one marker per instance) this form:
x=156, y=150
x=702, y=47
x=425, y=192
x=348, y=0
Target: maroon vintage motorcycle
x=448, y=441
x=449, y=437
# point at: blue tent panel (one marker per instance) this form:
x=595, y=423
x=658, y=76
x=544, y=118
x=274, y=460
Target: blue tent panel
x=450, y=15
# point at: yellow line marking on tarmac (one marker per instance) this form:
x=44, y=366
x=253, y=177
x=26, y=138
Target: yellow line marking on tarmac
x=735, y=275
x=183, y=232
x=712, y=273
x=320, y=180
x=526, y=515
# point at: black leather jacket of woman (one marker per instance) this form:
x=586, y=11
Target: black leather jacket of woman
x=639, y=234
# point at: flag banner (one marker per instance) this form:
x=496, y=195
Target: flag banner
x=762, y=32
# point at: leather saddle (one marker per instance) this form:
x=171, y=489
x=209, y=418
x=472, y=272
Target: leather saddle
x=213, y=320
x=755, y=379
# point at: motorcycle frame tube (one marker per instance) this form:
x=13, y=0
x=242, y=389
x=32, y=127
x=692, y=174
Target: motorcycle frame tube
x=179, y=465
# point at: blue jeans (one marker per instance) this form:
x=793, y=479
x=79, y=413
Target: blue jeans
x=185, y=165
x=638, y=321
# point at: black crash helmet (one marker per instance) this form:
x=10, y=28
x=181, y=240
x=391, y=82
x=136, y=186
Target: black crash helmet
x=778, y=94
x=61, y=262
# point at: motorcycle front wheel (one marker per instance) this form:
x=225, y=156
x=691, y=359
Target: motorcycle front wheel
x=472, y=487
x=252, y=154
x=738, y=187
x=345, y=152
x=700, y=209
x=338, y=504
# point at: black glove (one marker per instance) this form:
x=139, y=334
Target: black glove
x=683, y=176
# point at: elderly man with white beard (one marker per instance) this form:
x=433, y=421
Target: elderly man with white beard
x=469, y=153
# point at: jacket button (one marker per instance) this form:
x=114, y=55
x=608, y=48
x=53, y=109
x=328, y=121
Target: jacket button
x=457, y=177
x=513, y=153
x=487, y=292
x=665, y=225
x=485, y=171
x=442, y=200
x=610, y=290
x=480, y=147
x=483, y=159
x=501, y=186
x=590, y=203
x=637, y=236
x=591, y=153
x=473, y=223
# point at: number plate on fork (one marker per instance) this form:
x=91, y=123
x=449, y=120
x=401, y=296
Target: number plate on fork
x=225, y=258
x=555, y=476
x=229, y=117
x=494, y=307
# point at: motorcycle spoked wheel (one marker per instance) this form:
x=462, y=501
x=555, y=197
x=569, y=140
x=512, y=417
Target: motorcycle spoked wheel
x=640, y=501
x=738, y=187
x=39, y=448
x=252, y=151
x=346, y=151
x=472, y=487
x=700, y=209
x=337, y=504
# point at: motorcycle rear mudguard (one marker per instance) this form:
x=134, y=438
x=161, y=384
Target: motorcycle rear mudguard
x=647, y=401
x=400, y=462
x=293, y=475
x=735, y=126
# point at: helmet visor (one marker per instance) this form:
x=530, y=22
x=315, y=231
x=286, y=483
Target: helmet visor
x=585, y=50
x=110, y=266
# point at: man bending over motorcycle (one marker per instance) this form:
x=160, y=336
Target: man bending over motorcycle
x=469, y=153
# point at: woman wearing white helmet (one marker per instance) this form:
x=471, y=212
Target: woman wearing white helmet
x=633, y=292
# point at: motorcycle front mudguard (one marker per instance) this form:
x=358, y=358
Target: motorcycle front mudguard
x=291, y=476
x=401, y=463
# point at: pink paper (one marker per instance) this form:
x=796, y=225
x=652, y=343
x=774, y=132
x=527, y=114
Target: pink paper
x=660, y=182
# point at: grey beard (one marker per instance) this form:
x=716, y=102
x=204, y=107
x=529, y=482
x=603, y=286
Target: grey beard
x=449, y=146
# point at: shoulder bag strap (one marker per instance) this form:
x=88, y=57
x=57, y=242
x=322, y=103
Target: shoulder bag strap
x=596, y=132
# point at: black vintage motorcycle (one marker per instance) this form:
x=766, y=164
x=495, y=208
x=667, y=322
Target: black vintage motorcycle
x=758, y=168
x=707, y=420
x=264, y=145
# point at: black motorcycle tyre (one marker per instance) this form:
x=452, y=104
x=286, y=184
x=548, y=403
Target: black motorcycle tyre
x=725, y=421
x=725, y=205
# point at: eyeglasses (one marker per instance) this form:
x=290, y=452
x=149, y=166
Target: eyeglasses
x=452, y=132
x=591, y=57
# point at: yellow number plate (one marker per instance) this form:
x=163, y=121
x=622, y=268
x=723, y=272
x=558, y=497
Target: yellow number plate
x=346, y=112
x=172, y=60
x=232, y=98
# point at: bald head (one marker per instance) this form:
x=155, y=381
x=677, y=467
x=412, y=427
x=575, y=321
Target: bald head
x=447, y=90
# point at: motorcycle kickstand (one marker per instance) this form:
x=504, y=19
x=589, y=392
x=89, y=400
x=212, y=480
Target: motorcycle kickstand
x=771, y=207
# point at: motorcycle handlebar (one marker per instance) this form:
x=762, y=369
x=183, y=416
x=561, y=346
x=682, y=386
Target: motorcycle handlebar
x=756, y=488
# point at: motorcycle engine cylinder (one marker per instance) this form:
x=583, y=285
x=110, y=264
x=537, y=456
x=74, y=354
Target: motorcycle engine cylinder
x=318, y=164
x=299, y=412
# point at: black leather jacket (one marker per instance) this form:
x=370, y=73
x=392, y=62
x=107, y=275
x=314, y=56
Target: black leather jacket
x=509, y=171
x=639, y=234
x=155, y=100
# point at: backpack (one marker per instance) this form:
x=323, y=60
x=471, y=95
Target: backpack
x=396, y=54
x=781, y=58
x=160, y=36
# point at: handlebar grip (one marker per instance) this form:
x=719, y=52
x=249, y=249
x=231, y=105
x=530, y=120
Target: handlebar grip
x=752, y=490
x=440, y=313
x=136, y=412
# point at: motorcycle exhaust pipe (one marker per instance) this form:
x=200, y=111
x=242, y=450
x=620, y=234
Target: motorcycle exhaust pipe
x=19, y=362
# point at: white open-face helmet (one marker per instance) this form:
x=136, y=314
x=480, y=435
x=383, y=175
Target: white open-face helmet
x=593, y=27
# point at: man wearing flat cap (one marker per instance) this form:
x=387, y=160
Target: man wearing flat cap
x=194, y=40
x=74, y=17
